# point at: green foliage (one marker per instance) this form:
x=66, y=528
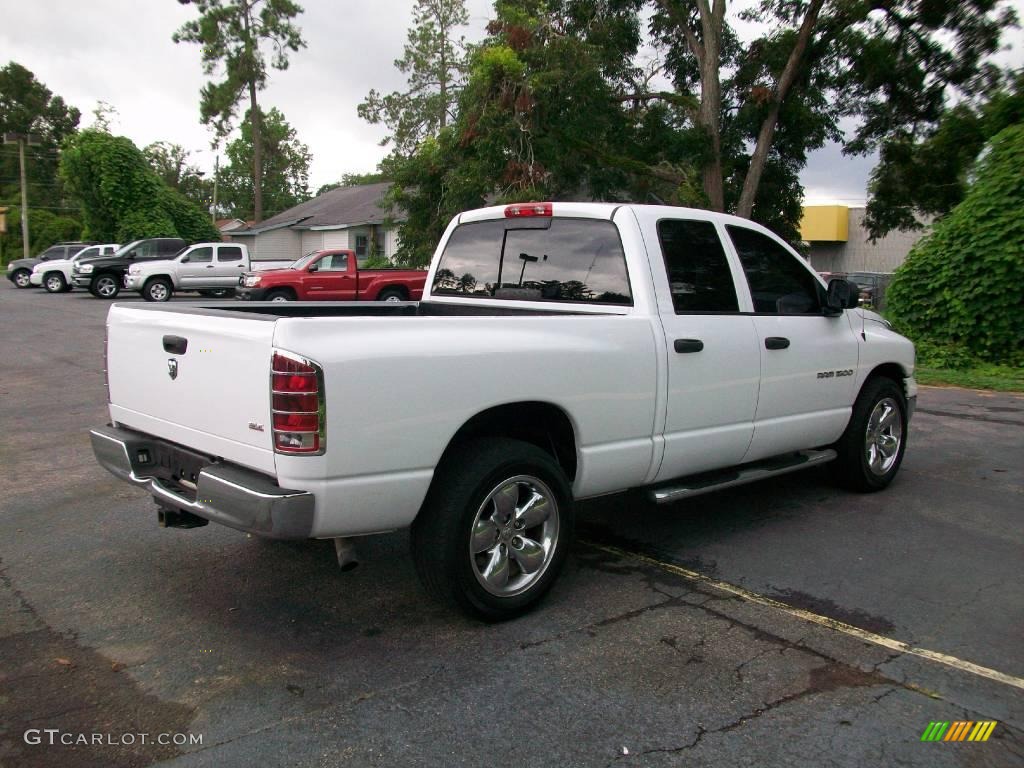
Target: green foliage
x=284, y=169
x=27, y=105
x=170, y=161
x=376, y=262
x=44, y=229
x=122, y=197
x=960, y=286
x=433, y=62
x=353, y=180
x=929, y=176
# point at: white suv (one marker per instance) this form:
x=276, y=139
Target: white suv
x=55, y=276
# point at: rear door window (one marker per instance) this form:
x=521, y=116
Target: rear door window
x=571, y=260
x=229, y=253
x=698, y=270
x=779, y=284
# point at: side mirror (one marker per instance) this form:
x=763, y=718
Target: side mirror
x=184, y=259
x=842, y=294
x=314, y=267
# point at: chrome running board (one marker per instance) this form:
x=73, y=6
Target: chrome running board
x=695, y=485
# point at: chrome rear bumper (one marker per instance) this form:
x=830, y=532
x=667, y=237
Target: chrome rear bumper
x=224, y=493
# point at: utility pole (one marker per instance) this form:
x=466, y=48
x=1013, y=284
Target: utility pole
x=216, y=174
x=33, y=140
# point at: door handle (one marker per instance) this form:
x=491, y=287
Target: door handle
x=776, y=342
x=688, y=345
x=209, y=266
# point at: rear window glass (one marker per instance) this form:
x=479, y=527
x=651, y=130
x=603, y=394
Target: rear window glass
x=573, y=260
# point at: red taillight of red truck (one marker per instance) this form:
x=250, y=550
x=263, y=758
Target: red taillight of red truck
x=297, y=403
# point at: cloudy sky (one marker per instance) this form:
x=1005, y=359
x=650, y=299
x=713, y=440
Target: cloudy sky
x=121, y=52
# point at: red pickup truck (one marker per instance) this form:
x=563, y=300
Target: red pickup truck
x=332, y=275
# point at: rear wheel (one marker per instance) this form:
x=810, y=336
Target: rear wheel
x=280, y=295
x=105, y=286
x=495, y=528
x=872, y=447
x=54, y=282
x=391, y=294
x=21, y=278
x=157, y=289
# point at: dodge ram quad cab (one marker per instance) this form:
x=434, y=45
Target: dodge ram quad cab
x=332, y=275
x=560, y=352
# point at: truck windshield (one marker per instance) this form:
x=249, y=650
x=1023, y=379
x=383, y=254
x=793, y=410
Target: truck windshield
x=572, y=260
x=304, y=261
x=124, y=250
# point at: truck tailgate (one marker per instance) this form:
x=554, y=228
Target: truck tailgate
x=197, y=379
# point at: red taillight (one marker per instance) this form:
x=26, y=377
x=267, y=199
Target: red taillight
x=527, y=209
x=298, y=404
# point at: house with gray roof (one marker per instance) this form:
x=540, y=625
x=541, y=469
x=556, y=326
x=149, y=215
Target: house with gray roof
x=346, y=217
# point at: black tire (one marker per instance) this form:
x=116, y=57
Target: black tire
x=105, y=286
x=441, y=534
x=54, y=282
x=392, y=294
x=280, y=295
x=157, y=289
x=853, y=468
x=21, y=278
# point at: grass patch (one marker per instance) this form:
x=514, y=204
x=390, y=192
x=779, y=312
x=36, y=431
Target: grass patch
x=1001, y=378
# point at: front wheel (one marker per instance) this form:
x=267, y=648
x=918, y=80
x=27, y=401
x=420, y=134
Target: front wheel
x=105, y=287
x=872, y=447
x=157, y=289
x=279, y=296
x=54, y=282
x=495, y=528
x=22, y=278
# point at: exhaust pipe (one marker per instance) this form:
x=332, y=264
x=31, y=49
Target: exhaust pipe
x=346, y=552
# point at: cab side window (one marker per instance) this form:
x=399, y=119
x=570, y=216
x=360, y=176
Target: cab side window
x=698, y=271
x=779, y=284
x=335, y=262
x=200, y=255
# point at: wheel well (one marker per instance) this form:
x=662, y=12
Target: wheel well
x=151, y=278
x=892, y=371
x=283, y=289
x=545, y=425
x=397, y=288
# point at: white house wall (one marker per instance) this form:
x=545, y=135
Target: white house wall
x=312, y=240
x=275, y=245
x=335, y=238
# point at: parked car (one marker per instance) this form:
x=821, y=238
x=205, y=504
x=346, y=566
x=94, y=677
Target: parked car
x=103, y=275
x=332, y=275
x=19, y=271
x=561, y=351
x=212, y=268
x=55, y=276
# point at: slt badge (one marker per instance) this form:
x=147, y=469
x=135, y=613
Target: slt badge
x=172, y=368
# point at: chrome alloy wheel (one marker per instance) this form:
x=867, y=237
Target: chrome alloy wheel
x=514, y=535
x=54, y=283
x=884, y=436
x=22, y=279
x=280, y=297
x=158, y=292
x=394, y=298
x=106, y=287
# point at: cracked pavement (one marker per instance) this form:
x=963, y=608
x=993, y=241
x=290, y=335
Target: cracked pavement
x=110, y=624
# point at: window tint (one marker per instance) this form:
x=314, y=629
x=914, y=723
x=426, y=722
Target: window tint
x=698, y=271
x=53, y=252
x=200, y=255
x=577, y=260
x=73, y=249
x=229, y=253
x=170, y=247
x=779, y=284
x=334, y=262
x=146, y=250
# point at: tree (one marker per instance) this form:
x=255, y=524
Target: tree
x=891, y=64
x=122, y=198
x=231, y=33
x=353, y=180
x=170, y=161
x=434, y=63
x=284, y=168
x=960, y=286
x=930, y=176
x=27, y=105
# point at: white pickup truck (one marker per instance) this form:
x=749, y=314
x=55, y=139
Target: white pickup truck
x=207, y=267
x=561, y=351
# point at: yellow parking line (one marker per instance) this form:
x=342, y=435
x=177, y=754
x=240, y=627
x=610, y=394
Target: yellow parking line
x=814, y=618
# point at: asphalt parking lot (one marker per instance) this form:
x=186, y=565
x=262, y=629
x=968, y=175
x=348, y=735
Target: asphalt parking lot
x=759, y=626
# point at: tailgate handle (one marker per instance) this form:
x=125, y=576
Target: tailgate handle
x=176, y=345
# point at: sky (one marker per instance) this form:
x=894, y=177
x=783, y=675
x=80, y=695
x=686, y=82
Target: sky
x=121, y=52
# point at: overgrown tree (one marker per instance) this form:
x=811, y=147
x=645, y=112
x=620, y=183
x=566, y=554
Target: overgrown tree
x=27, y=105
x=122, y=197
x=959, y=290
x=892, y=65
x=353, y=180
x=433, y=62
x=171, y=163
x=918, y=179
x=232, y=34
x=284, y=168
